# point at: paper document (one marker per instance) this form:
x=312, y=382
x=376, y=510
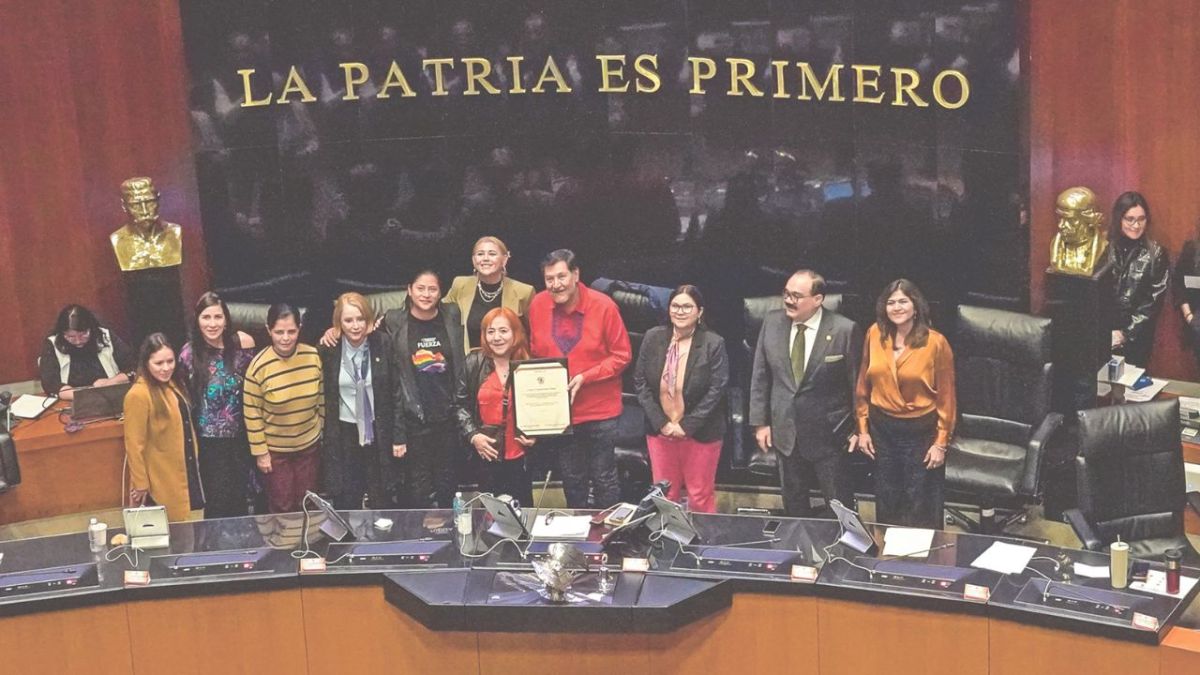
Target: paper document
x=1156, y=582
x=1091, y=571
x=562, y=527
x=1005, y=558
x=28, y=406
x=1191, y=281
x=1145, y=393
x=907, y=542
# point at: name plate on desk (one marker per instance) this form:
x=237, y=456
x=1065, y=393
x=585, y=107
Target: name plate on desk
x=541, y=397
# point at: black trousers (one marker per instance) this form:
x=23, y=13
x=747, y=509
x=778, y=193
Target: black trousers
x=432, y=478
x=906, y=493
x=797, y=476
x=505, y=477
x=360, y=473
x=225, y=467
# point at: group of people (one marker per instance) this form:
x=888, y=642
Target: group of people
x=397, y=409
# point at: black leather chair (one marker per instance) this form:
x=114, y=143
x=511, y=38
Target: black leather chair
x=640, y=313
x=10, y=470
x=1130, y=479
x=754, y=310
x=1004, y=378
x=251, y=318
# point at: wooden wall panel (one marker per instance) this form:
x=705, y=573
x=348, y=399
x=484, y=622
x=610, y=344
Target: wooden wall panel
x=383, y=640
x=857, y=637
x=94, y=92
x=90, y=639
x=1113, y=89
x=1024, y=649
x=230, y=633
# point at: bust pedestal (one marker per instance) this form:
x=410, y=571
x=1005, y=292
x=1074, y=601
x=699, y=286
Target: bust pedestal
x=1081, y=308
x=155, y=298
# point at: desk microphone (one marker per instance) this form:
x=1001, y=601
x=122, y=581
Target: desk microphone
x=536, y=508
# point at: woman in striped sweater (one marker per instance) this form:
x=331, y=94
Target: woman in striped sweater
x=284, y=409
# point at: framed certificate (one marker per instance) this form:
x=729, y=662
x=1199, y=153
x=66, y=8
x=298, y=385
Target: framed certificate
x=540, y=396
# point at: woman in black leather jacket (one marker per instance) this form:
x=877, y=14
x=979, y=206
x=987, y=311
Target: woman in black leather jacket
x=1142, y=272
x=484, y=406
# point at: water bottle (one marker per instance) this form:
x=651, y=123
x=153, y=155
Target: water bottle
x=462, y=515
x=97, y=535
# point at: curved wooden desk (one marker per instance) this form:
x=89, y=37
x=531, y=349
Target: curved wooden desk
x=280, y=622
x=64, y=473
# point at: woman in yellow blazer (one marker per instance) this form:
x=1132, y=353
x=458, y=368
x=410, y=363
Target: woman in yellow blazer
x=488, y=288
x=160, y=443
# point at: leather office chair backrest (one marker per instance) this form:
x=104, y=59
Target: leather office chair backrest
x=754, y=310
x=385, y=301
x=1130, y=475
x=1003, y=364
x=640, y=313
x=251, y=317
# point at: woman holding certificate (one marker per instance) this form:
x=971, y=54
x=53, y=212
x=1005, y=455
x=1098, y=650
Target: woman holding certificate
x=485, y=412
x=681, y=375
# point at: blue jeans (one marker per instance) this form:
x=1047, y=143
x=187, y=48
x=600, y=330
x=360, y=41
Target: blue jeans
x=588, y=455
x=906, y=493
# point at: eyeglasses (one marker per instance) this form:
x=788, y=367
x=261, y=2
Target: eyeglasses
x=795, y=297
x=1130, y=220
x=682, y=309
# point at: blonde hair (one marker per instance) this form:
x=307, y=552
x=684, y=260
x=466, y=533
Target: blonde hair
x=489, y=239
x=352, y=299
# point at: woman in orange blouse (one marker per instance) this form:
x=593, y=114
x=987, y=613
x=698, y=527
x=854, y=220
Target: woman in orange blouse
x=906, y=408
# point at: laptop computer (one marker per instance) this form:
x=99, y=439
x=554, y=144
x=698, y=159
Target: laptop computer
x=147, y=527
x=93, y=403
x=506, y=522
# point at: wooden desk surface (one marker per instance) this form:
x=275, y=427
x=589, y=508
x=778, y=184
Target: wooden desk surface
x=64, y=473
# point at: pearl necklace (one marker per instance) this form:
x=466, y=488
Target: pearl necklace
x=488, y=296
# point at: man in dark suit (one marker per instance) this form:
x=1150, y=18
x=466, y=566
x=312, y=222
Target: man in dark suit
x=802, y=392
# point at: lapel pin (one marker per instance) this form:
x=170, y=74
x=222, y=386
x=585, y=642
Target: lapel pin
x=828, y=337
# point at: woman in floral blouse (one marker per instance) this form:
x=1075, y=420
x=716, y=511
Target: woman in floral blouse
x=214, y=365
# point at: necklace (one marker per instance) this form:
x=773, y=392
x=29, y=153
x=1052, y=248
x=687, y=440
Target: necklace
x=488, y=296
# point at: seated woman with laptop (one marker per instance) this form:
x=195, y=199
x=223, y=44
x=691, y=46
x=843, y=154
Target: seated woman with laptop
x=79, y=352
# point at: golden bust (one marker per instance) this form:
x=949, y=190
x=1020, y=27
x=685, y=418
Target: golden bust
x=147, y=241
x=1080, y=242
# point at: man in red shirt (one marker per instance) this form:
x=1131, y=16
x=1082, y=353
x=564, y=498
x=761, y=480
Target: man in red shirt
x=570, y=320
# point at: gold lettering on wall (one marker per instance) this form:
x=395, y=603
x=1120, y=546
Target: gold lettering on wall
x=551, y=72
x=937, y=89
x=740, y=73
x=610, y=76
x=833, y=79
x=364, y=74
x=867, y=77
x=247, y=95
x=703, y=68
x=905, y=87
x=477, y=73
x=648, y=80
x=295, y=85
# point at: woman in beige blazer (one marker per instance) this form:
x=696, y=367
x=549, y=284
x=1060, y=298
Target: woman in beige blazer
x=160, y=443
x=489, y=287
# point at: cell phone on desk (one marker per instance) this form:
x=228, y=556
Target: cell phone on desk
x=771, y=528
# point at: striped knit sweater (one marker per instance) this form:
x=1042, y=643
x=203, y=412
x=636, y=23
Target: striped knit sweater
x=284, y=401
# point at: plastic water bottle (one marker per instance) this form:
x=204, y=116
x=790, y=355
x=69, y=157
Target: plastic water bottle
x=97, y=535
x=462, y=515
